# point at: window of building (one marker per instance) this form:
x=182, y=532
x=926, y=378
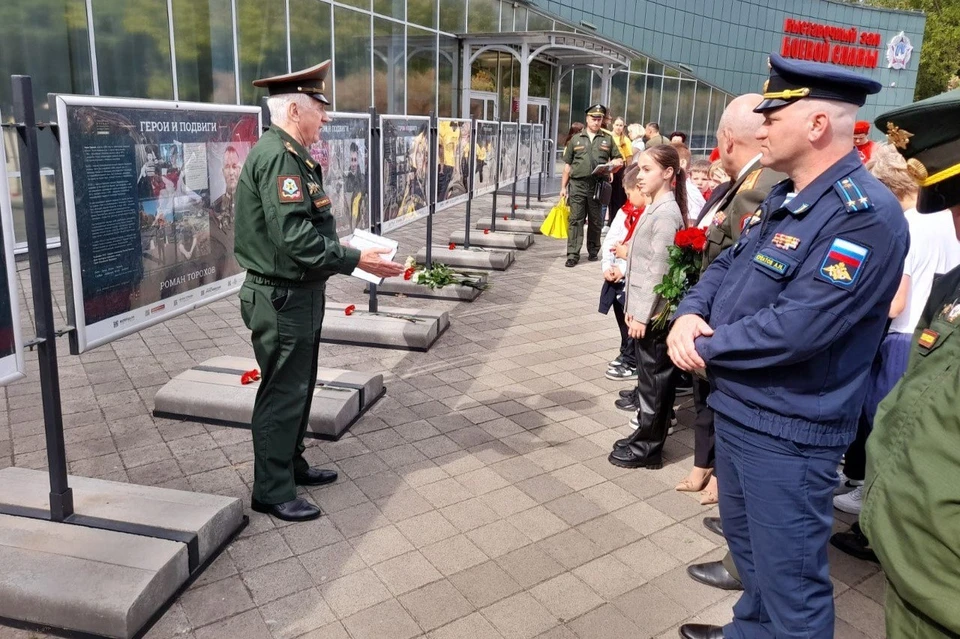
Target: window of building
x=262, y=42
x=310, y=35
x=700, y=132
x=448, y=77
x=392, y=8
x=538, y=22
x=422, y=13
x=421, y=71
x=618, y=94
x=133, y=48
x=204, y=51
x=352, y=68
x=389, y=66
x=635, y=98
x=668, y=110
x=483, y=16
x=651, y=102
x=452, y=16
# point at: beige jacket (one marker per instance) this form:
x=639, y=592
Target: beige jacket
x=648, y=257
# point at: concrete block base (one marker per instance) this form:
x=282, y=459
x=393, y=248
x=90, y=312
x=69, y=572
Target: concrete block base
x=530, y=215
x=382, y=330
x=513, y=226
x=212, y=393
x=491, y=260
x=452, y=292
x=518, y=241
x=113, y=566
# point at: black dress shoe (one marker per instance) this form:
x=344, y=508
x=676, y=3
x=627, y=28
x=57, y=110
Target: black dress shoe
x=700, y=631
x=630, y=392
x=294, y=510
x=593, y=258
x=714, y=575
x=570, y=263
x=713, y=525
x=854, y=543
x=627, y=403
x=315, y=477
x=625, y=457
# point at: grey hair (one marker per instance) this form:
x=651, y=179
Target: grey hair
x=740, y=120
x=280, y=104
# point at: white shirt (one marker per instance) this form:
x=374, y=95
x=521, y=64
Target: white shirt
x=695, y=202
x=934, y=250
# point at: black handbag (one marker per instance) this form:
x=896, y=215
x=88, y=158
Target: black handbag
x=602, y=192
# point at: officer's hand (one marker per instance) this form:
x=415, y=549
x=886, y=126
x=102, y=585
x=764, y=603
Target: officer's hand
x=680, y=346
x=636, y=330
x=371, y=262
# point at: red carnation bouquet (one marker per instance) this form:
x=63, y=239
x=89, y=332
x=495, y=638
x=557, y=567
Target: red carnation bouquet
x=685, y=261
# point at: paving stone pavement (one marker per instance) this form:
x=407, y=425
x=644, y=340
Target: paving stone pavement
x=475, y=500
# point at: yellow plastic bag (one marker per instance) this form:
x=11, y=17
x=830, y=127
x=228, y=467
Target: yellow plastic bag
x=557, y=221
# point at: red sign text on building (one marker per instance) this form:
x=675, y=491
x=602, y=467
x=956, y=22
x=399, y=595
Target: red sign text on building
x=846, y=46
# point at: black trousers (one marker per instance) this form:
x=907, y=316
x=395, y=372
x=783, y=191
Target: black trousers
x=855, y=461
x=628, y=354
x=618, y=197
x=655, y=394
x=704, y=451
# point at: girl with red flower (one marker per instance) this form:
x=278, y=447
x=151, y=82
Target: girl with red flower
x=658, y=175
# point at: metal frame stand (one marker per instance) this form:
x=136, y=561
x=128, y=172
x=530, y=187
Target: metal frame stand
x=471, y=163
x=496, y=181
x=432, y=135
x=376, y=214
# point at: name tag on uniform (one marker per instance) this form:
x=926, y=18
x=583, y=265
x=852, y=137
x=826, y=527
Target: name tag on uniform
x=578, y=148
x=772, y=264
x=321, y=202
x=928, y=339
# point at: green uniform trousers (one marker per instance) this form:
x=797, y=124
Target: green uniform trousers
x=285, y=323
x=583, y=207
x=903, y=620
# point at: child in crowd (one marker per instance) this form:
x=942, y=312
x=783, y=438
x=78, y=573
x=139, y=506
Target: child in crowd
x=717, y=175
x=614, y=269
x=700, y=176
x=657, y=170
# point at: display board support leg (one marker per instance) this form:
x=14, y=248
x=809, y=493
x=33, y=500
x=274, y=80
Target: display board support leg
x=376, y=213
x=471, y=163
x=516, y=171
x=61, y=496
x=432, y=186
x=496, y=181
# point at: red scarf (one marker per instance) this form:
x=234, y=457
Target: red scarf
x=633, y=216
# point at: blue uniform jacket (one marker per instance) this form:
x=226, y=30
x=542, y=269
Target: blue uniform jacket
x=799, y=305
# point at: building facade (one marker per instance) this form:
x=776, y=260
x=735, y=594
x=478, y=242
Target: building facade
x=543, y=61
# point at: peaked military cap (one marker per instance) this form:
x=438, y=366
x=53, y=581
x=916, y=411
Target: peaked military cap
x=792, y=80
x=597, y=109
x=307, y=81
x=927, y=134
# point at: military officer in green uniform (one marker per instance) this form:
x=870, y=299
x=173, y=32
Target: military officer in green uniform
x=584, y=152
x=911, y=508
x=286, y=240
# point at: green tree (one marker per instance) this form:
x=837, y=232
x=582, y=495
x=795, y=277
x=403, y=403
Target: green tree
x=940, y=53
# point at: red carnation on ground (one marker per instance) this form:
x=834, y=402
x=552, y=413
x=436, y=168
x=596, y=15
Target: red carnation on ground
x=486, y=231
x=505, y=217
x=407, y=274
x=350, y=309
x=452, y=246
x=250, y=377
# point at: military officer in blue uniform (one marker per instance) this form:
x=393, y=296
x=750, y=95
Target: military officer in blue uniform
x=786, y=323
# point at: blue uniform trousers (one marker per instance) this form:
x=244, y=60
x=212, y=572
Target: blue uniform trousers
x=776, y=504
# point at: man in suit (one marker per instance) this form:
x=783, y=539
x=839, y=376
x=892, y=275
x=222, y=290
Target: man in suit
x=724, y=217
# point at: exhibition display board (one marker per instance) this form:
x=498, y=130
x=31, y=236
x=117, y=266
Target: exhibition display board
x=11, y=340
x=343, y=154
x=147, y=212
x=523, y=154
x=509, y=144
x=405, y=176
x=488, y=155
x=454, y=162
x=536, y=164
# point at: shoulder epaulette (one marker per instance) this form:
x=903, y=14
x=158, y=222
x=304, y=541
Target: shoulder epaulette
x=751, y=180
x=289, y=147
x=854, y=199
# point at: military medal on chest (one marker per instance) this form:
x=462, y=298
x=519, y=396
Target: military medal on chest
x=786, y=242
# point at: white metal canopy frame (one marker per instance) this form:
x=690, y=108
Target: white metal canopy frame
x=562, y=49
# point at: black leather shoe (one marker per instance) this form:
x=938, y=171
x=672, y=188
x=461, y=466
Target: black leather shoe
x=570, y=263
x=294, y=510
x=714, y=575
x=713, y=525
x=315, y=477
x=625, y=457
x=854, y=543
x=630, y=392
x=593, y=258
x=627, y=403
x=700, y=631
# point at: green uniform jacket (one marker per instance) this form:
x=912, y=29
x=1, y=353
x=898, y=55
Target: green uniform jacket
x=911, y=510
x=584, y=156
x=738, y=205
x=284, y=227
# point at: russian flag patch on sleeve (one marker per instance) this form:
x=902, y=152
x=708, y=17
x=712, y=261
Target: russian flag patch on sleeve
x=843, y=263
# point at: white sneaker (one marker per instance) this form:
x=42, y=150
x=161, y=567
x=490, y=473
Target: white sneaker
x=846, y=485
x=635, y=424
x=851, y=502
x=604, y=230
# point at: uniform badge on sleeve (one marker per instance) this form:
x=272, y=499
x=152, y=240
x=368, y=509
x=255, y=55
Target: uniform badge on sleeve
x=928, y=339
x=843, y=263
x=289, y=189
